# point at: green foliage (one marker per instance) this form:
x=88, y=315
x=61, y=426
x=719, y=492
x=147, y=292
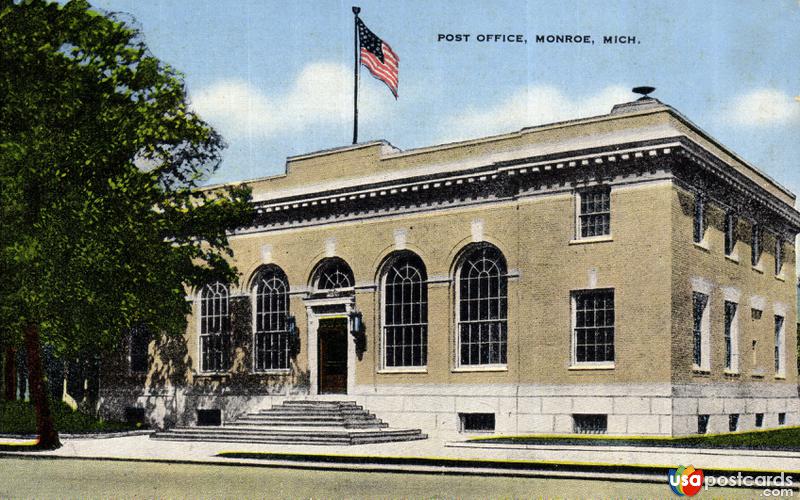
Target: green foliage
x=787, y=438
x=17, y=417
x=102, y=224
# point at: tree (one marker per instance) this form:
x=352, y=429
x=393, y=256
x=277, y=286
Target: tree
x=103, y=223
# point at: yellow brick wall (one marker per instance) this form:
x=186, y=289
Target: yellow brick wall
x=535, y=236
x=691, y=260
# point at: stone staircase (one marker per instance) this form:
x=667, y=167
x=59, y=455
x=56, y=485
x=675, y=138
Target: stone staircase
x=299, y=422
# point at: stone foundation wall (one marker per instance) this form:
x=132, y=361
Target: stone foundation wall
x=639, y=410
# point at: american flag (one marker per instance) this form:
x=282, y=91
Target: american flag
x=378, y=57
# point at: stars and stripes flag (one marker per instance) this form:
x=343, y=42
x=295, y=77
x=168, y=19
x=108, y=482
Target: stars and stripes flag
x=378, y=57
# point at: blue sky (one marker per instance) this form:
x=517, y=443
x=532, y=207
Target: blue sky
x=275, y=78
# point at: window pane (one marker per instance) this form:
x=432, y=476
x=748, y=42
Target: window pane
x=594, y=326
x=405, y=313
x=272, y=307
x=595, y=213
x=214, y=331
x=483, y=308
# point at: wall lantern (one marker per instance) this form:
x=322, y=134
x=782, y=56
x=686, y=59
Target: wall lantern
x=356, y=322
x=357, y=331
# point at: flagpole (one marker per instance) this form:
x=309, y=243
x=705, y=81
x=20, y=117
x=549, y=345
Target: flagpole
x=356, y=10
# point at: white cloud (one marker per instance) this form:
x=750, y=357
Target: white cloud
x=529, y=106
x=763, y=107
x=321, y=94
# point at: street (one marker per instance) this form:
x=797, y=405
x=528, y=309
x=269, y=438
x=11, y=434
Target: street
x=67, y=478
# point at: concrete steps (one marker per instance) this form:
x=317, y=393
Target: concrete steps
x=299, y=422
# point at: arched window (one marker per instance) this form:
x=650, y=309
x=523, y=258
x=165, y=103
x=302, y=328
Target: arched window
x=271, y=299
x=333, y=274
x=405, y=313
x=215, y=332
x=482, y=307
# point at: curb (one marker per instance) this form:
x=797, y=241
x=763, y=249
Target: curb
x=87, y=435
x=737, y=452
x=418, y=465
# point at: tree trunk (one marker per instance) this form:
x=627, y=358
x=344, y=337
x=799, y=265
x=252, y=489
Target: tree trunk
x=45, y=425
x=10, y=374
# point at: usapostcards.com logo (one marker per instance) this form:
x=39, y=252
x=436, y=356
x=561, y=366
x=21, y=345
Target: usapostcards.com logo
x=685, y=481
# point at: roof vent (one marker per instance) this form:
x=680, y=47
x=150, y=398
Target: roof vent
x=644, y=91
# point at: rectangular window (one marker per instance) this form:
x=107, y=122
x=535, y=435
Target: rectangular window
x=759, y=420
x=733, y=422
x=701, y=331
x=209, y=417
x=215, y=333
x=594, y=216
x=731, y=337
x=477, y=422
x=730, y=233
x=781, y=418
x=135, y=416
x=779, y=342
x=699, y=218
x=140, y=343
x=702, y=424
x=755, y=246
x=593, y=317
x=778, y=256
x=590, y=423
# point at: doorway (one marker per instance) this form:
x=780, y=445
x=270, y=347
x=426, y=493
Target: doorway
x=332, y=355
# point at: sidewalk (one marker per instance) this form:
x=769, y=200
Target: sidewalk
x=436, y=456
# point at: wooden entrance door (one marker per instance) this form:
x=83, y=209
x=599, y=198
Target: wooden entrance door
x=332, y=340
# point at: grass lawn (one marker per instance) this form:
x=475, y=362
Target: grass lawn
x=17, y=417
x=787, y=439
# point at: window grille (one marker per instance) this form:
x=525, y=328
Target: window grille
x=595, y=213
x=483, y=304
x=594, y=326
x=405, y=330
x=477, y=422
x=733, y=422
x=215, y=338
x=590, y=423
x=334, y=274
x=702, y=424
x=271, y=292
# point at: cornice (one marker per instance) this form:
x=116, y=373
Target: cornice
x=498, y=181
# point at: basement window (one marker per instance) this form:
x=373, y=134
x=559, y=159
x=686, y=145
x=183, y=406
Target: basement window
x=781, y=419
x=702, y=424
x=590, y=423
x=134, y=415
x=209, y=417
x=733, y=422
x=759, y=420
x=477, y=422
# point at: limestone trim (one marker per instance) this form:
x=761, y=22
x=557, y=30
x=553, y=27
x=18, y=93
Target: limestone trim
x=314, y=316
